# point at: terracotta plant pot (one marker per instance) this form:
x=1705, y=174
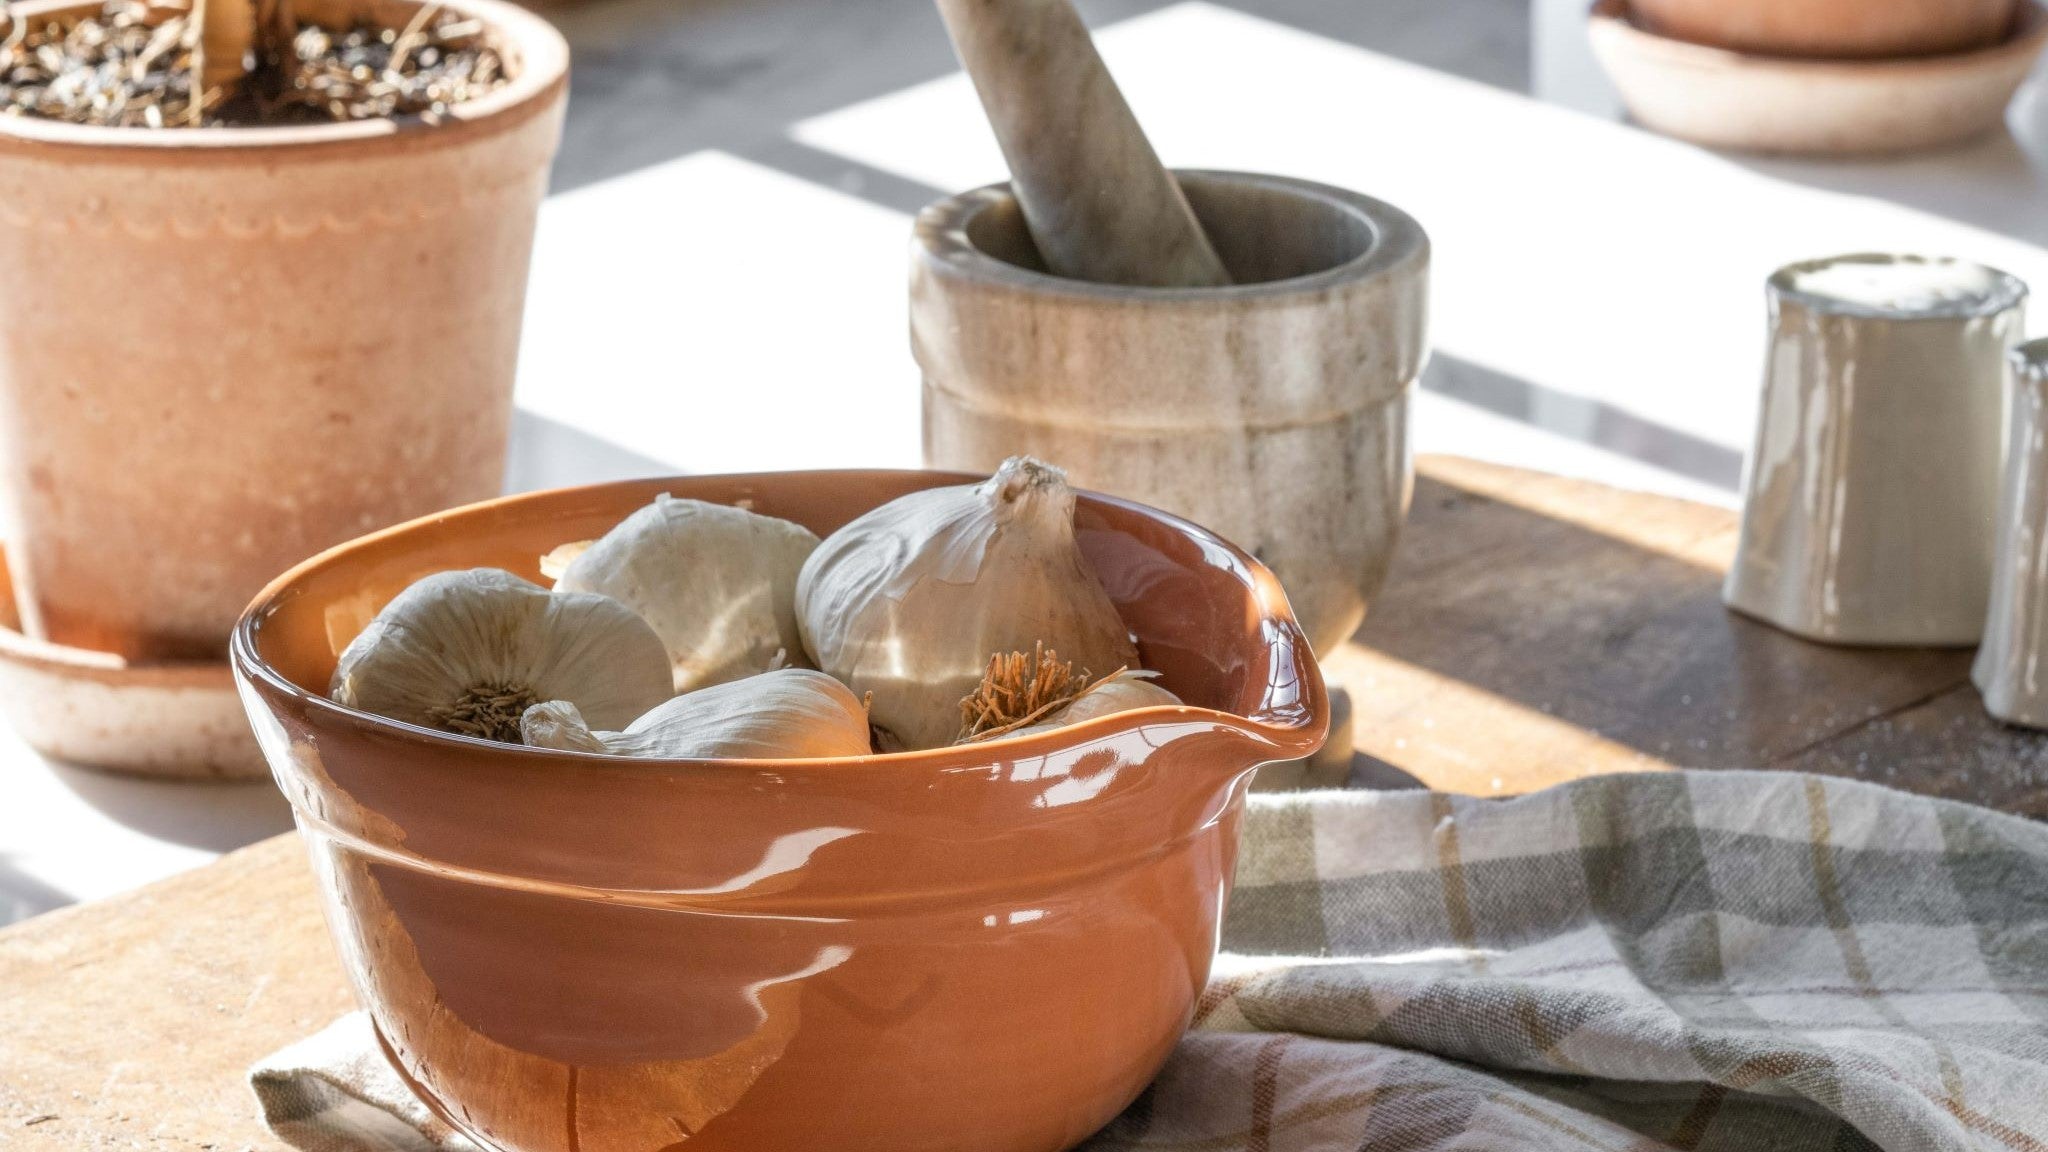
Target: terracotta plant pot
x=225, y=349
x=1836, y=28
x=1274, y=411
x=991, y=947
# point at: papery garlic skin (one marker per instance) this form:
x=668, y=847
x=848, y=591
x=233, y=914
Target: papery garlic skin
x=717, y=583
x=909, y=601
x=1124, y=692
x=557, y=724
x=793, y=714
x=559, y=558
x=468, y=651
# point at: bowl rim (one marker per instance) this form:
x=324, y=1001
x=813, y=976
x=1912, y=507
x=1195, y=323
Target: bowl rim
x=1613, y=19
x=1291, y=731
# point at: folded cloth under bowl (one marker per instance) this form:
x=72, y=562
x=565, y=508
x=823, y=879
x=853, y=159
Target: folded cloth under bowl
x=1685, y=960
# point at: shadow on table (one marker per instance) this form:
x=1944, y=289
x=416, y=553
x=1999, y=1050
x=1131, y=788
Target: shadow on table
x=1591, y=422
x=655, y=80
x=218, y=817
x=1584, y=606
x=547, y=453
x=1994, y=182
x=23, y=896
x=1376, y=775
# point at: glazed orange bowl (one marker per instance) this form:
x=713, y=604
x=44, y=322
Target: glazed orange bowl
x=989, y=947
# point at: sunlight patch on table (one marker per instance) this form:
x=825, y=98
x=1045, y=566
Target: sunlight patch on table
x=1456, y=737
x=715, y=315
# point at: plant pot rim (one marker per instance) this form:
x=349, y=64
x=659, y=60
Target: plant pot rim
x=1613, y=20
x=542, y=71
x=943, y=244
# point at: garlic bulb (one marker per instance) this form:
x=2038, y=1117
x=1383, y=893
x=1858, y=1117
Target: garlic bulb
x=1124, y=692
x=793, y=714
x=469, y=652
x=718, y=584
x=910, y=601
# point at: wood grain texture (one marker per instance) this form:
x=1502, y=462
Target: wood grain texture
x=132, y=1022
x=1535, y=630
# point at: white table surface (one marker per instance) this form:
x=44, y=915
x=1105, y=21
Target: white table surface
x=720, y=284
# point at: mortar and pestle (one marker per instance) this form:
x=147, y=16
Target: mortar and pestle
x=1236, y=348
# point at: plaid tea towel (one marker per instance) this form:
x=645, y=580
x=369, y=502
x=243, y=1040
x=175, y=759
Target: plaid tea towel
x=1696, y=961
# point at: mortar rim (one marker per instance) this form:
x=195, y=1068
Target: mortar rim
x=941, y=242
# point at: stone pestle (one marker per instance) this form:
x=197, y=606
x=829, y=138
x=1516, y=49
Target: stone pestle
x=1099, y=204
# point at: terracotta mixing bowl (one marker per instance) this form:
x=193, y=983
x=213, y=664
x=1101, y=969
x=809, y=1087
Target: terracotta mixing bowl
x=992, y=947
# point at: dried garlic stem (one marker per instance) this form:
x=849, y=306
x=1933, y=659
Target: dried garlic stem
x=1019, y=690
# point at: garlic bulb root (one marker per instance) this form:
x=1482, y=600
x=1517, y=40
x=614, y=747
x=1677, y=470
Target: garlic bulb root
x=718, y=584
x=488, y=711
x=1020, y=689
x=792, y=714
x=469, y=651
x=910, y=601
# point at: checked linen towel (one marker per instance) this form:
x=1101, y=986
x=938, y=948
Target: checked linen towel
x=1686, y=960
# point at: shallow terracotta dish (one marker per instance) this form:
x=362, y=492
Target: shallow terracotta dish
x=176, y=719
x=991, y=947
x=1864, y=28
x=1727, y=99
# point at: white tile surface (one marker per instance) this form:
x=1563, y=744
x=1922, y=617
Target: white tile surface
x=720, y=316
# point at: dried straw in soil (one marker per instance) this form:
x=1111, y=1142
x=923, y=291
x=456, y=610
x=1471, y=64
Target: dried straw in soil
x=131, y=66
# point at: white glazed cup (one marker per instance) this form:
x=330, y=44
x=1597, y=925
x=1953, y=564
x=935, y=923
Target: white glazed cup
x=1274, y=411
x=1871, y=495
x=2009, y=668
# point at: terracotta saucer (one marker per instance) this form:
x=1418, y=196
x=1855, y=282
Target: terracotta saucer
x=1727, y=99
x=176, y=721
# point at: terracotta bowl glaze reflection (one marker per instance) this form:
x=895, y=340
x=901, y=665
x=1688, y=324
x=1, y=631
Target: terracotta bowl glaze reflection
x=992, y=947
